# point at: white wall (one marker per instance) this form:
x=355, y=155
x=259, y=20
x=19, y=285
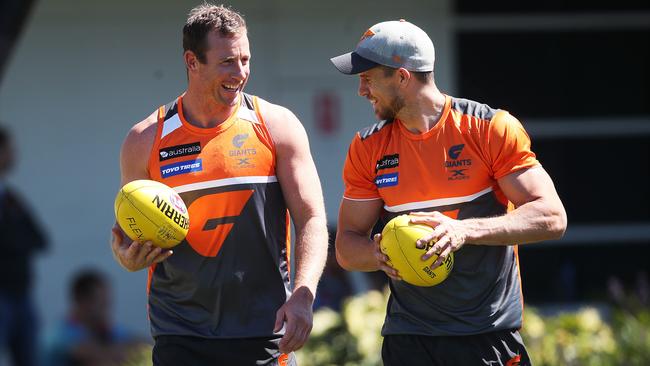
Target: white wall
x=84, y=72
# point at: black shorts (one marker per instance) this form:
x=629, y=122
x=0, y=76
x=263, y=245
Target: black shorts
x=172, y=350
x=501, y=348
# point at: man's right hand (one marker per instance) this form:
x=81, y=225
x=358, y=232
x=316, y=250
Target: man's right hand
x=384, y=261
x=135, y=255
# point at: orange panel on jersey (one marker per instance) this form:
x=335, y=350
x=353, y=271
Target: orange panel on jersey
x=220, y=210
x=452, y=214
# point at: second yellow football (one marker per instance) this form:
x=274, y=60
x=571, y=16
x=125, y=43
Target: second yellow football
x=398, y=243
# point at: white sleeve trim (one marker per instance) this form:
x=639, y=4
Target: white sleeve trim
x=362, y=199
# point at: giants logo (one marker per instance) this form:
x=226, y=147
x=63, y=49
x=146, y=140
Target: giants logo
x=455, y=151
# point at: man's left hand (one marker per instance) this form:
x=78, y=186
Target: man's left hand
x=297, y=315
x=448, y=235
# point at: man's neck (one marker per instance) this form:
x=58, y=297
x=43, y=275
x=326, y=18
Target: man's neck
x=204, y=112
x=423, y=111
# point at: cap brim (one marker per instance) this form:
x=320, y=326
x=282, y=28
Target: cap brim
x=351, y=63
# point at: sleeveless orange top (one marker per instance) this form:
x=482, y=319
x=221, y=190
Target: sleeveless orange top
x=231, y=273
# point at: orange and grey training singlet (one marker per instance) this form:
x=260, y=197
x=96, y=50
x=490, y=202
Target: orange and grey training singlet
x=452, y=168
x=230, y=275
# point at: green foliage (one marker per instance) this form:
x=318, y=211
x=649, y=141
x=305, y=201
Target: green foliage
x=632, y=332
x=352, y=337
x=582, y=337
x=139, y=355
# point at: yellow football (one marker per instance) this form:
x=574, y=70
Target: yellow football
x=149, y=210
x=398, y=243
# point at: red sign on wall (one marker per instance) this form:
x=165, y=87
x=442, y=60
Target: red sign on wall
x=327, y=112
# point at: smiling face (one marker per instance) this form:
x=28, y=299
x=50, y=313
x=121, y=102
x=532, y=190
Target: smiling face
x=380, y=87
x=226, y=69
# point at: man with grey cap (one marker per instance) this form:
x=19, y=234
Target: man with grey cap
x=461, y=167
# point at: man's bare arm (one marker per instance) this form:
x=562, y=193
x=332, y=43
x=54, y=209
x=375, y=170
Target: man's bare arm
x=134, y=157
x=301, y=188
x=538, y=215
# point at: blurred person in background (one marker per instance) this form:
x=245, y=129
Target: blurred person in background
x=88, y=336
x=225, y=295
x=21, y=238
x=464, y=169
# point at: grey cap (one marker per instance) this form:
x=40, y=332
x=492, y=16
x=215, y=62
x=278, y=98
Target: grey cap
x=395, y=43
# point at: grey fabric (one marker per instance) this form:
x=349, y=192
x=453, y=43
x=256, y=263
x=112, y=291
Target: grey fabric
x=396, y=44
x=368, y=131
x=481, y=294
x=472, y=108
x=236, y=293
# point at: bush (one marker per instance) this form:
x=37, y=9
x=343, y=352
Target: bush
x=581, y=337
x=353, y=336
x=139, y=356
x=632, y=334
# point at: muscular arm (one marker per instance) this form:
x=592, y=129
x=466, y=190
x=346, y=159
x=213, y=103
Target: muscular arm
x=355, y=251
x=301, y=187
x=134, y=155
x=136, y=149
x=538, y=215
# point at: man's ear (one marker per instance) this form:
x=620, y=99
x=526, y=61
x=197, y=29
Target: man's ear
x=404, y=76
x=191, y=61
